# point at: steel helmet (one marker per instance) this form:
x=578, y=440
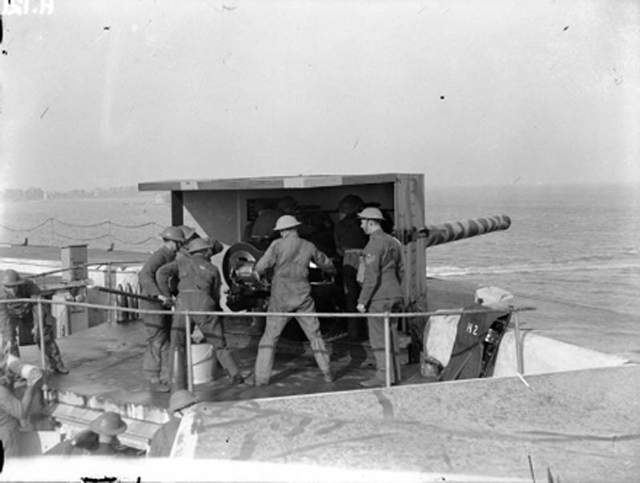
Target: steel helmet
x=350, y=204
x=371, y=214
x=188, y=232
x=198, y=245
x=172, y=233
x=180, y=400
x=11, y=278
x=286, y=222
x=110, y=424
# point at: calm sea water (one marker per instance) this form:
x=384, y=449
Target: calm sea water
x=578, y=245
x=573, y=252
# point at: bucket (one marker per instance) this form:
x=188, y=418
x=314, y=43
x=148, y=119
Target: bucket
x=203, y=362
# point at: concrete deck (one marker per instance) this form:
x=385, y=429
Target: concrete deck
x=576, y=426
x=105, y=364
x=579, y=425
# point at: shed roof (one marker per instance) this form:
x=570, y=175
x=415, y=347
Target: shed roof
x=271, y=182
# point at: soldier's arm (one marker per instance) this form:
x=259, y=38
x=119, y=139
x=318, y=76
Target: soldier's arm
x=371, y=274
x=147, y=276
x=400, y=268
x=164, y=274
x=13, y=406
x=31, y=289
x=323, y=262
x=267, y=260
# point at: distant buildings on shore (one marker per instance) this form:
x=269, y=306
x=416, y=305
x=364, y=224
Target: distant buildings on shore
x=38, y=194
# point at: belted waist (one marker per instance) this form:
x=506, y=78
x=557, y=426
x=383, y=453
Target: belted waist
x=352, y=250
x=194, y=290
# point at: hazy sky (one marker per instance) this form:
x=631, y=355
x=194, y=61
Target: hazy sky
x=111, y=93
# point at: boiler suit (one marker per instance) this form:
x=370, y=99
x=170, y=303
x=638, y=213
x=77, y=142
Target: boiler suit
x=198, y=290
x=381, y=292
x=157, y=325
x=290, y=292
x=15, y=313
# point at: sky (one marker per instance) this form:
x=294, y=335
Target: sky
x=108, y=93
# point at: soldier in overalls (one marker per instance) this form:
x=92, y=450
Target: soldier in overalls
x=289, y=256
x=199, y=285
x=13, y=314
x=157, y=325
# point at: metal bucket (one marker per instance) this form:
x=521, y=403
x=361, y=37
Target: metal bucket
x=203, y=362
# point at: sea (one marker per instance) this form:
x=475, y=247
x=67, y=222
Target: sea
x=572, y=253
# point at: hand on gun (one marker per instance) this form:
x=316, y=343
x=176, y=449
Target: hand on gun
x=165, y=301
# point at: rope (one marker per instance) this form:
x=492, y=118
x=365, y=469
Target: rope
x=108, y=222
x=105, y=236
x=27, y=229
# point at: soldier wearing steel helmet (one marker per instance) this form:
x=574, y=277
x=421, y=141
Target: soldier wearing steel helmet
x=13, y=314
x=162, y=441
x=99, y=439
x=381, y=272
x=199, y=284
x=15, y=410
x=157, y=325
x=290, y=256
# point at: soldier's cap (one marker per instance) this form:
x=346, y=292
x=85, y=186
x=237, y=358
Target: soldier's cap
x=11, y=278
x=371, y=214
x=285, y=222
x=172, y=233
x=188, y=231
x=110, y=424
x=198, y=245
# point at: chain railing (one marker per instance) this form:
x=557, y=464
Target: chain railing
x=387, y=317
x=55, y=232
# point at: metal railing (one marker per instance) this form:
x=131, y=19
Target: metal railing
x=387, y=316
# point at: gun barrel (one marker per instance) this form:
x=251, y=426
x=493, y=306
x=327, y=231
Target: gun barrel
x=459, y=230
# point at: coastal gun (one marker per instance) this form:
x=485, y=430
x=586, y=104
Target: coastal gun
x=460, y=230
x=248, y=291
x=223, y=208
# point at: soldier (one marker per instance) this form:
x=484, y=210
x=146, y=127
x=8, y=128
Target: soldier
x=158, y=325
x=100, y=439
x=13, y=314
x=14, y=411
x=290, y=256
x=350, y=240
x=107, y=426
x=199, y=285
x=162, y=440
x=382, y=272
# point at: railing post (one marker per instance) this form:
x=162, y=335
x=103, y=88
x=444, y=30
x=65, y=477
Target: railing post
x=519, y=352
x=387, y=350
x=188, y=355
x=43, y=362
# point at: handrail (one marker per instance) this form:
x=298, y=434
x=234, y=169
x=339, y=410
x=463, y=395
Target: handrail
x=387, y=316
x=86, y=265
